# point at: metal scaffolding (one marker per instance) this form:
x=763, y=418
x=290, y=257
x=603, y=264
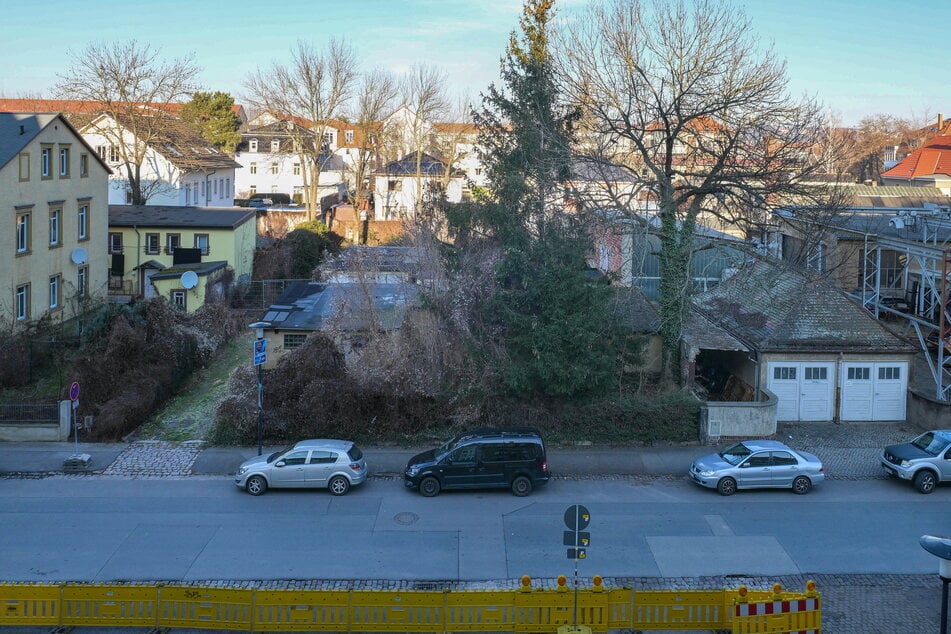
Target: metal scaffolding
x=926, y=303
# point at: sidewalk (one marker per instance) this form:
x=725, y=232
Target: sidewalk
x=847, y=450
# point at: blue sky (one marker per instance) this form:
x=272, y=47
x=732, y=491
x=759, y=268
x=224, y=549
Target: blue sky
x=858, y=57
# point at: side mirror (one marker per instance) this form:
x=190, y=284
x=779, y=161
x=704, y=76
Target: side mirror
x=279, y=463
x=744, y=465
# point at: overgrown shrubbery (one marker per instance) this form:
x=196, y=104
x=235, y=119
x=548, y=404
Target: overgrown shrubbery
x=142, y=358
x=313, y=393
x=297, y=254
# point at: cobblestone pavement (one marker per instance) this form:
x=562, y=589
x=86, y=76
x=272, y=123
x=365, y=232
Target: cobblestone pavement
x=155, y=459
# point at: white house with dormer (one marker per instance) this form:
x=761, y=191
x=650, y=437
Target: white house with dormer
x=180, y=168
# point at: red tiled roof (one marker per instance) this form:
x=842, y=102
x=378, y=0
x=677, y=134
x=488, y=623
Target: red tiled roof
x=934, y=157
x=76, y=106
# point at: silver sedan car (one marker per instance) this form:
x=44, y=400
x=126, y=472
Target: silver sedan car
x=757, y=464
x=335, y=465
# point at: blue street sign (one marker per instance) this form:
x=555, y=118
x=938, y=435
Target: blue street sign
x=74, y=391
x=260, y=351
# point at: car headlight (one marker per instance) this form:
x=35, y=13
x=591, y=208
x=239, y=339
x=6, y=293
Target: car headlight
x=242, y=470
x=905, y=464
x=709, y=473
x=412, y=471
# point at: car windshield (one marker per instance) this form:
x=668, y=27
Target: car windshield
x=735, y=454
x=930, y=443
x=446, y=447
x=277, y=454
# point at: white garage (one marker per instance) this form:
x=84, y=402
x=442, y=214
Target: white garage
x=874, y=391
x=806, y=390
x=824, y=356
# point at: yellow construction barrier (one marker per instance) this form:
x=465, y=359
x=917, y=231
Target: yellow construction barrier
x=522, y=610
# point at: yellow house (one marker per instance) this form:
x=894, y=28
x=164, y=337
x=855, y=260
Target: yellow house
x=184, y=254
x=54, y=196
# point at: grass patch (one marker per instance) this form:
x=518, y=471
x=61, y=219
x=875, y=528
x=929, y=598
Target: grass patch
x=189, y=415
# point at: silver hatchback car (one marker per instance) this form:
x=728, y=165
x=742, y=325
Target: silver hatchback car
x=757, y=464
x=336, y=465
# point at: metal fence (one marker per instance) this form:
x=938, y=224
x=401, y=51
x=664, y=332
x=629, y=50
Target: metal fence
x=30, y=413
x=259, y=294
x=523, y=610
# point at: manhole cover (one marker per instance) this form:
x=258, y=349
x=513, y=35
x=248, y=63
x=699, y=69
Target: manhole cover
x=406, y=518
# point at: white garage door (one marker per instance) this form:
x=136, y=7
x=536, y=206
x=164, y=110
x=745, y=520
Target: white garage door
x=874, y=391
x=804, y=390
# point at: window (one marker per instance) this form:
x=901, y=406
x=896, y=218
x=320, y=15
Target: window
x=45, y=158
x=55, y=215
x=23, y=233
x=394, y=186
x=82, y=281
x=178, y=299
x=328, y=138
x=227, y=191
x=152, y=243
x=201, y=242
x=273, y=189
x=64, y=162
x=214, y=186
x=128, y=196
x=83, y=165
x=784, y=459
x=478, y=171
x=758, y=460
x=23, y=302
x=113, y=154
x=295, y=457
x=252, y=145
x=24, y=166
x=253, y=168
x=253, y=189
x=83, y=218
x=274, y=167
x=784, y=374
x=296, y=169
x=275, y=146
x=115, y=243
x=172, y=242
x=292, y=342
x=203, y=189
x=892, y=373
x=322, y=457
x=858, y=374
x=188, y=194
x=816, y=374
x=54, y=292
x=464, y=455
x=348, y=136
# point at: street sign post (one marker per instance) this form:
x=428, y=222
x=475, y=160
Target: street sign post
x=74, y=397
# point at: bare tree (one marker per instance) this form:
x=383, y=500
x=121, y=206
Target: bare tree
x=424, y=96
x=135, y=89
x=682, y=98
x=376, y=94
x=310, y=91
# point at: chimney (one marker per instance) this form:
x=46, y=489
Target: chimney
x=940, y=122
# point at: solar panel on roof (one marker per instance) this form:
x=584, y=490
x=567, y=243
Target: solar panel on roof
x=270, y=315
x=281, y=316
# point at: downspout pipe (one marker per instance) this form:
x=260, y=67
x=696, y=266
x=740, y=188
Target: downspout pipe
x=138, y=256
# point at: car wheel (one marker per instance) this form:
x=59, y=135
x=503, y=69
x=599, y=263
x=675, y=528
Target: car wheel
x=521, y=486
x=726, y=486
x=925, y=481
x=429, y=487
x=801, y=485
x=338, y=485
x=256, y=485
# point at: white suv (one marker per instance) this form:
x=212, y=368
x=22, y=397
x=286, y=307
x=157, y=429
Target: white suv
x=926, y=460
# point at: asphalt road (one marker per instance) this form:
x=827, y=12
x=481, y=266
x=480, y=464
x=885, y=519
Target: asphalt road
x=205, y=528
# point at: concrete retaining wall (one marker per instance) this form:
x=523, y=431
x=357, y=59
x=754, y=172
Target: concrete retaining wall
x=927, y=412
x=39, y=432
x=731, y=419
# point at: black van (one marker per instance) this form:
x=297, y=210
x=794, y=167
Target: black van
x=482, y=459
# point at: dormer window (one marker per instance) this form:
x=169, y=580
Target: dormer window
x=252, y=145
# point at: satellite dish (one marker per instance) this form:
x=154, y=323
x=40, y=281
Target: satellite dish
x=79, y=256
x=189, y=279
